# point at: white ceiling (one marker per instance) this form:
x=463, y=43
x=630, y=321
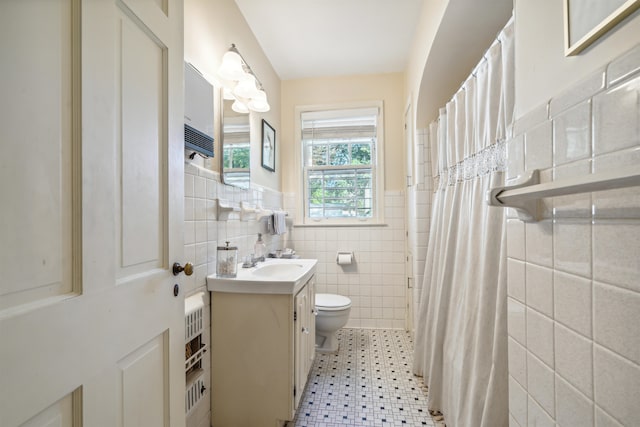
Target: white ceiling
x=319, y=38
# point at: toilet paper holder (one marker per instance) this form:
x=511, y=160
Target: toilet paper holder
x=344, y=258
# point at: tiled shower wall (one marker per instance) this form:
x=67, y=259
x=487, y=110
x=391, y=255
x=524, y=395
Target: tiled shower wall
x=376, y=282
x=574, y=277
x=419, y=202
x=203, y=233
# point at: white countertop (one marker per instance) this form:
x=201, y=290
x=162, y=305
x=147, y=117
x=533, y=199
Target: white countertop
x=261, y=280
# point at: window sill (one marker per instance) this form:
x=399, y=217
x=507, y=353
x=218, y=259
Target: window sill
x=341, y=224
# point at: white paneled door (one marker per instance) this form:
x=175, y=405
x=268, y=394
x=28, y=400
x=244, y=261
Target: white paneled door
x=91, y=183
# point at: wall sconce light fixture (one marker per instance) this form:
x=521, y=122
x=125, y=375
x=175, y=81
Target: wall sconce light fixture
x=241, y=84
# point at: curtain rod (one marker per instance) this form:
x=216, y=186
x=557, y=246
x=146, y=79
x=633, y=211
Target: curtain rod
x=483, y=58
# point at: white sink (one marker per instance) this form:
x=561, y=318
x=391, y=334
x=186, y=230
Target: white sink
x=278, y=269
x=273, y=276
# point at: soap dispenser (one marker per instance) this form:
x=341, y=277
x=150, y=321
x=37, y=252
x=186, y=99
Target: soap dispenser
x=259, y=248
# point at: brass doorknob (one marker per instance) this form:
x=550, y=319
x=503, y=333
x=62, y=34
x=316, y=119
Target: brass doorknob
x=177, y=269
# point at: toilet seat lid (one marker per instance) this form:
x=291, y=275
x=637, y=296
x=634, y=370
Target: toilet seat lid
x=332, y=302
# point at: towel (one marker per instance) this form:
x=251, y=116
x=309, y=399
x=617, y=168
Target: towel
x=279, y=224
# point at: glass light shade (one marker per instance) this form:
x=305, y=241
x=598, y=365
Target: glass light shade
x=227, y=93
x=231, y=67
x=239, y=107
x=259, y=106
x=246, y=87
x=259, y=102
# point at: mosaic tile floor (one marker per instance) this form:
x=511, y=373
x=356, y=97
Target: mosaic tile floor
x=367, y=383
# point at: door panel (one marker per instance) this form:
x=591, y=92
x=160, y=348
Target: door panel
x=300, y=344
x=60, y=414
x=142, y=74
x=143, y=390
x=311, y=344
x=35, y=154
x=86, y=297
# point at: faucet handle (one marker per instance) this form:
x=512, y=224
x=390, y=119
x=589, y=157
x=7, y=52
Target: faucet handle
x=249, y=261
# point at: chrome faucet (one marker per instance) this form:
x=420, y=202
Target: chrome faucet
x=251, y=261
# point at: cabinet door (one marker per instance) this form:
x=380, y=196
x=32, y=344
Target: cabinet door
x=252, y=338
x=311, y=315
x=301, y=335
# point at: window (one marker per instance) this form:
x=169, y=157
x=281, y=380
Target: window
x=341, y=167
x=236, y=155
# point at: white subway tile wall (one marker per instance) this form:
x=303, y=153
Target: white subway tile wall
x=574, y=278
x=203, y=233
x=422, y=194
x=517, y=403
x=517, y=361
x=540, y=336
x=376, y=281
x=573, y=407
x=537, y=416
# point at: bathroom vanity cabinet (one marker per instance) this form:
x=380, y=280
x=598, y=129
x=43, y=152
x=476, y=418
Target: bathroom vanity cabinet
x=262, y=349
x=304, y=337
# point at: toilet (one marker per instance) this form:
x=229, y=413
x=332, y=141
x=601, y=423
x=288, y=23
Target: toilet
x=333, y=314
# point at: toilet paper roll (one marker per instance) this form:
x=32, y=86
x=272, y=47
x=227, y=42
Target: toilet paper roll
x=345, y=258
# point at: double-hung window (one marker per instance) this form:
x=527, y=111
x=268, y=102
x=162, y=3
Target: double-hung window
x=341, y=157
x=236, y=152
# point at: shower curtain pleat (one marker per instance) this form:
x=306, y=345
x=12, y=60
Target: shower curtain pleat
x=461, y=330
x=470, y=107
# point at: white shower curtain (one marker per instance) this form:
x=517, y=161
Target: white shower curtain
x=461, y=325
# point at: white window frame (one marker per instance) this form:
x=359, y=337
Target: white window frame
x=377, y=218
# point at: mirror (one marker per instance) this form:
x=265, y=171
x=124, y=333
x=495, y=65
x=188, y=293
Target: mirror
x=236, y=146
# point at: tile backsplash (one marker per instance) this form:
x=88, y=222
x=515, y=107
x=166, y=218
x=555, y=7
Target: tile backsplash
x=574, y=277
x=376, y=281
x=203, y=233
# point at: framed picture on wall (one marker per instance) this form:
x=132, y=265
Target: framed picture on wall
x=585, y=21
x=268, y=146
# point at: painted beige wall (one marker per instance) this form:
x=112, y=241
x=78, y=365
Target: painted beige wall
x=451, y=37
x=542, y=70
x=334, y=90
x=432, y=13
x=210, y=27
